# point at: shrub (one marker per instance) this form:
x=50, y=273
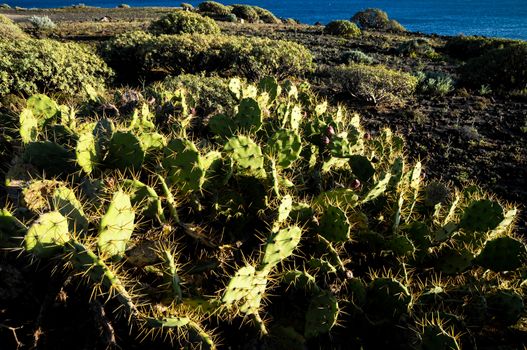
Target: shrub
x=5, y=6
x=357, y=56
x=502, y=69
x=191, y=53
x=209, y=95
x=376, y=19
x=466, y=47
x=31, y=66
x=417, y=48
x=266, y=16
x=187, y=7
x=123, y=6
x=9, y=30
x=434, y=83
x=375, y=84
x=180, y=22
x=42, y=23
x=245, y=12
x=214, y=8
x=342, y=28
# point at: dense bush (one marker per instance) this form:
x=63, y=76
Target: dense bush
x=417, y=48
x=376, y=19
x=466, y=47
x=31, y=66
x=245, y=12
x=206, y=94
x=434, y=83
x=42, y=23
x=356, y=56
x=214, y=8
x=343, y=28
x=180, y=22
x=9, y=30
x=374, y=84
x=266, y=16
x=502, y=69
x=186, y=6
x=190, y=53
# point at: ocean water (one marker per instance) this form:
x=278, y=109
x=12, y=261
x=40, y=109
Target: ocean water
x=498, y=18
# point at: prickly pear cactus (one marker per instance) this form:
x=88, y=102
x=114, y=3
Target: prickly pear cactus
x=322, y=315
x=185, y=165
x=334, y=225
x=125, y=151
x=502, y=254
x=47, y=236
x=246, y=153
x=69, y=206
x=285, y=146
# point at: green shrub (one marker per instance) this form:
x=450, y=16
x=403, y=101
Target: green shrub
x=214, y=8
x=356, y=56
x=9, y=30
x=434, y=83
x=208, y=95
x=5, y=6
x=466, y=47
x=142, y=53
x=417, y=48
x=180, y=22
x=502, y=69
x=266, y=16
x=123, y=6
x=343, y=28
x=375, y=84
x=31, y=66
x=42, y=23
x=245, y=12
x=376, y=19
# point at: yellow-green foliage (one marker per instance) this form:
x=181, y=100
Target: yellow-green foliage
x=266, y=16
x=30, y=66
x=343, y=28
x=214, y=8
x=180, y=22
x=375, y=84
x=245, y=12
x=376, y=19
x=141, y=53
x=9, y=30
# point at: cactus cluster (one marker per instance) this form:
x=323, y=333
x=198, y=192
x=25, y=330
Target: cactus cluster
x=284, y=214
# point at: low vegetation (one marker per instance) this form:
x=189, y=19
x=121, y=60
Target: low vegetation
x=184, y=22
x=9, y=30
x=376, y=19
x=342, y=28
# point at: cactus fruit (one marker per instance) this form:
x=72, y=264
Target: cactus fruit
x=87, y=153
x=125, y=151
x=116, y=226
x=185, y=165
x=245, y=152
x=506, y=306
x=321, y=315
x=334, y=225
x=481, y=216
x=28, y=126
x=47, y=236
x=361, y=168
x=285, y=146
x=249, y=116
x=502, y=254
x=387, y=300
x=68, y=205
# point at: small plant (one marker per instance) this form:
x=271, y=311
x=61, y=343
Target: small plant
x=417, y=48
x=484, y=90
x=180, y=22
x=342, y=28
x=42, y=23
x=357, y=56
x=376, y=19
x=434, y=83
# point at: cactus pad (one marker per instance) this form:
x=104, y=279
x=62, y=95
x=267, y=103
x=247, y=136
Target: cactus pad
x=185, y=165
x=502, y=254
x=434, y=337
x=47, y=236
x=28, y=126
x=361, y=168
x=280, y=246
x=87, y=153
x=481, y=216
x=249, y=116
x=286, y=146
x=69, y=206
x=505, y=306
x=125, y=152
x=245, y=152
x=387, y=300
x=321, y=315
x=334, y=225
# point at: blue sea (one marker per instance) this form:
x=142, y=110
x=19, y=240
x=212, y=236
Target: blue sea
x=498, y=18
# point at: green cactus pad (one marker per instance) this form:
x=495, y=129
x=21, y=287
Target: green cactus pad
x=249, y=116
x=222, y=125
x=69, y=206
x=103, y=132
x=334, y=225
x=280, y=246
x=144, y=198
x=235, y=87
x=286, y=205
x=435, y=337
x=183, y=325
x=184, y=164
x=245, y=152
x=506, y=306
x=452, y=260
x=379, y=189
x=43, y=108
x=171, y=274
x=246, y=290
x=125, y=152
x=47, y=236
x=286, y=146
x=152, y=141
x=322, y=315
x=271, y=86
x=87, y=154
x=116, y=226
x=482, y=216
x=387, y=300
x=361, y=168
x=50, y=158
x=11, y=230
x=502, y=254
x=401, y=245
x=300, y=279
x=28, y=126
